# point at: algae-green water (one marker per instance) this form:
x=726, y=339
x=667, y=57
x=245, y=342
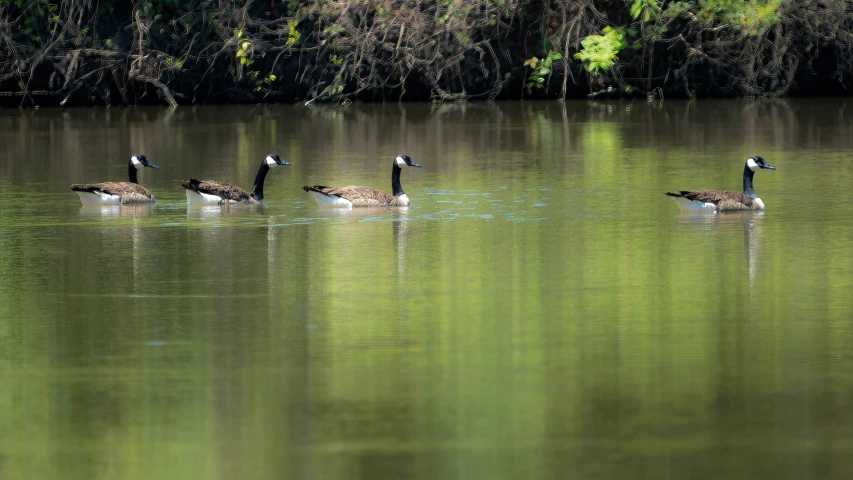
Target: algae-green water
x=541, y=310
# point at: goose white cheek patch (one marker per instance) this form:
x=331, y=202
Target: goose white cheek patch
x=135, y=160
x=271, y=161
x=400, y=162
x=752, y=165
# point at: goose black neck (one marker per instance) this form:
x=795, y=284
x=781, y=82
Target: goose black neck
x=747, y=182
x=258, y=187
x=397, y=190
x=131, y=173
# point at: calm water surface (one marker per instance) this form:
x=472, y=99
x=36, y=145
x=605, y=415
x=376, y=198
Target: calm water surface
x=542, y=310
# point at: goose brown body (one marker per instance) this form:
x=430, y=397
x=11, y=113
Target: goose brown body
x=723, y=200
x=128, y=192
x=227, y=193
x=360, y=196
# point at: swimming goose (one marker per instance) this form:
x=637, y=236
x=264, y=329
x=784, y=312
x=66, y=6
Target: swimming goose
x=209, y=192
x=358, y=196
x=115, y=193
x=713, y=201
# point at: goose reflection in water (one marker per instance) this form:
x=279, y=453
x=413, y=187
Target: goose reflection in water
x=226, y=211
x=117, y=211
x=751, y=224
x=127, y=216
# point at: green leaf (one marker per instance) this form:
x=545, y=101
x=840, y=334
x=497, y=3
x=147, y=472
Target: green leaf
x=636, y=8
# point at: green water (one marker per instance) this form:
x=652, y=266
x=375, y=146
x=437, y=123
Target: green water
x=542, y=310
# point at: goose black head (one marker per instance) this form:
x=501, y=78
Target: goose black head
x=273, y=160
x=140, y=161
x=404, y=160
x=757, y=163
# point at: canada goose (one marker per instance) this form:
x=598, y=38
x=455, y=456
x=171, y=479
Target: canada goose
x=358, y=196
x=713, y=201
x=209, y=192
x=115, y=193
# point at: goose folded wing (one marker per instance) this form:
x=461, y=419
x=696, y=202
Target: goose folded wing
x=129, y=192
x=225, y=191
x=722, y=199
x=88, y=187
x=362, y=196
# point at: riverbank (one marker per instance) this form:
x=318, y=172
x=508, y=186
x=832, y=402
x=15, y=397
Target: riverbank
x=207, y=52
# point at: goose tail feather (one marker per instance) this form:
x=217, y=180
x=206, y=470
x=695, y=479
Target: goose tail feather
x=316, y=188
x=191, y=184
x=84, y=187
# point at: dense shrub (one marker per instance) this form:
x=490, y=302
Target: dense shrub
x=199, y=51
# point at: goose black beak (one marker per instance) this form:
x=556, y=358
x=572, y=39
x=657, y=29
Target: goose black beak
x=414, y=164
x=151, y=164
x=769, y=167
x=283, y=162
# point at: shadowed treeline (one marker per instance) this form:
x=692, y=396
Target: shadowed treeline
x=82, y=52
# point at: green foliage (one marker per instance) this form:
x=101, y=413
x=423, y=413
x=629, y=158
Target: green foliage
x=600, y=51
x=171, y=61
x=333, y=30
x=540, y=69
x=337, y=87
x=243, y=45
x=749, y=15
x=104, y=9
x=293, y=34
x=648, y=9
x=256, y=82
x=752, y=15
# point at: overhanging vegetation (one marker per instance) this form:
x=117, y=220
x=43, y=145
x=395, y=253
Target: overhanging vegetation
x=88, y=52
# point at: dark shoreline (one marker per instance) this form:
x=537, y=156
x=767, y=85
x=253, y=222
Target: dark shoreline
x=164, y=52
